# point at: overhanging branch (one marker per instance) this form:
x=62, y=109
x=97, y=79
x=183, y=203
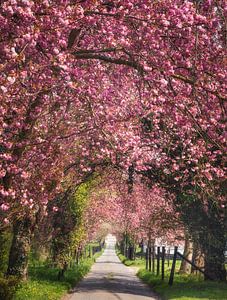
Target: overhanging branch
x=117, y=61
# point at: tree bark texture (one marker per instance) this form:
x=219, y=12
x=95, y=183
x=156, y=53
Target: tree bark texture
x=197, y=258
x=20, y=247
x=205, y=225
x=185, y=267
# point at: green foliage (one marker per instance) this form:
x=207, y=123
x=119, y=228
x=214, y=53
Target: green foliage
x=78, y=204
x=8, y=287
x=68, y=223
x=79, y=200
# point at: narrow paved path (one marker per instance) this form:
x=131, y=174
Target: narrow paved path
x=109, y=279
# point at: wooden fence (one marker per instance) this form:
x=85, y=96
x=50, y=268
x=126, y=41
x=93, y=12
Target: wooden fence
x=176, y=253
x=160, y=256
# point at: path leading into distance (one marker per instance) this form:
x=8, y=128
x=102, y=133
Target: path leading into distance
x=109, y=279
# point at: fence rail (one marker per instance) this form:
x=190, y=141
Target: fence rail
x=160, y=255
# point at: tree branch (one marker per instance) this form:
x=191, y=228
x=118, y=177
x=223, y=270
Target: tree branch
x=117, y=15
x=107, y=50
x=117, y=61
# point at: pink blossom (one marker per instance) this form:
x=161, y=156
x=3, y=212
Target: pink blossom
x=4, y=206
x=6, y=220
x=55, y=208
x=4, y=89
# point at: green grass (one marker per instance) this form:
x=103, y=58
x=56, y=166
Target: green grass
x=185, y=287
x=43, y=283
x=138, y=262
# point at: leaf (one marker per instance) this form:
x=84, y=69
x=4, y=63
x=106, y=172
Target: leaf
x=74, y=34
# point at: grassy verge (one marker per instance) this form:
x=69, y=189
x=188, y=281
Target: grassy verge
x=43, y=283
x=185, y=287
x=136, y=263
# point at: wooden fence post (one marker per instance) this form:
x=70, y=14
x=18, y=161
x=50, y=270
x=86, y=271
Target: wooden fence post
x=147, y=258
x=158, y=261
x=171, y=277
x=168, y=256
x=153, y=259
x=163, y=262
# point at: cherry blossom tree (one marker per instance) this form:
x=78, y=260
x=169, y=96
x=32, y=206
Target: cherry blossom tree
x=91, y=84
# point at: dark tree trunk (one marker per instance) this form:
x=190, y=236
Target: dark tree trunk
x=214, y=263
x=212, y=241
x=131, y=252
x=20, y=247
x=205, y=224
x=212, y=244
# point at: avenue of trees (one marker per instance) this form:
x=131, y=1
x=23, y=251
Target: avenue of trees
x=112, y=111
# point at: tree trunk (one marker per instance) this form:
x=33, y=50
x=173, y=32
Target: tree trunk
x=61, y=272
x=20, y=247
x=125, y=245
x=185, y=267
x=214, y=263
x=197, y=258
x=131, y=252
x=210, y=256
x=213, y=243
x=204, y=222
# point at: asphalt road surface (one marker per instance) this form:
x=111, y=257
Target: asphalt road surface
x=109, y=279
